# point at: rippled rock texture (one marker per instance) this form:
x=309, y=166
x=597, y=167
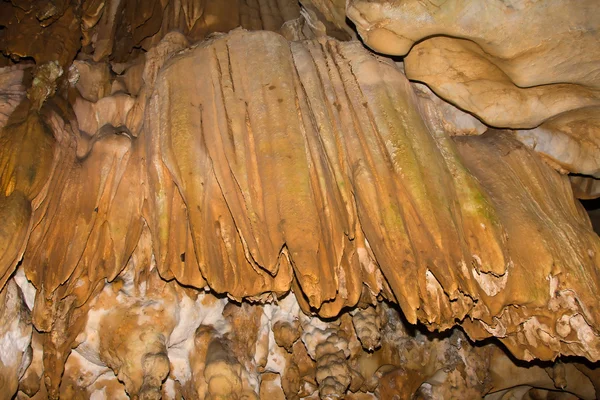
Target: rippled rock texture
x=514, y=64
x=280, y=215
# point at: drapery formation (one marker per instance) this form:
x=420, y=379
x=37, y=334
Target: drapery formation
x=247, y=214
x=311, y=168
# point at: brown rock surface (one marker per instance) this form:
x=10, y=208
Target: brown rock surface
x=15, y=337
x=440, y=115
x=560, y=47
x=458, y=71
x=145, y=23
x=585, y=187
x=258, y=172
x=333, y=14
x=43, y=30
x=571, y=139
x=116, y=29
x=514, y=64
x=262, y=215
x=536, y=242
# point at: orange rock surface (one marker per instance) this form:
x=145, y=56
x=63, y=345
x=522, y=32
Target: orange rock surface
x=276, y=213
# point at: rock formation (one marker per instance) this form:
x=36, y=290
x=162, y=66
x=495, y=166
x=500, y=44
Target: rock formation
x=236, y=199
x=491, y=60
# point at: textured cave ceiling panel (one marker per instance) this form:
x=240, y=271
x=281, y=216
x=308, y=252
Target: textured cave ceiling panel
x=328, y=167
x=567, y=27
x=440, y=115
x=144, y=23
x=309, y=168
x=261, y=216
x=39, y=29
x=92, y=80
x=538, y=222
x=570, y=139
x=13, y=86
x=116, y=29
x=585, y=187
x=489, y=59
x=332, y=13
x=139, y=324
x=457, y=70
x=28, y=156
x=15, y=337
x=256, y=186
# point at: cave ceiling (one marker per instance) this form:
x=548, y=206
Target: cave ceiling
x=324, y=199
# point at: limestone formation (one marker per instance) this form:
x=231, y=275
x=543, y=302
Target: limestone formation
x=585, y=187
x=570, y=140
x=458, y=72
x=514, y=64
x=15, y=338
x=206, y=199
x=560, y=47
